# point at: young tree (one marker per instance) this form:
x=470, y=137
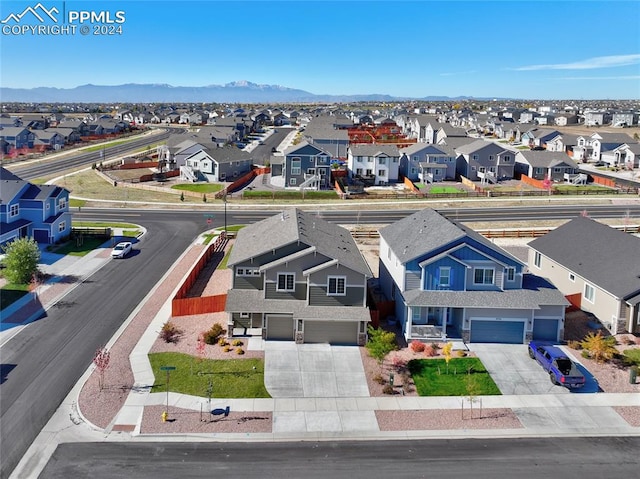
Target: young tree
x=600, y=348
x=446, y=351
x=101, y=360
x=21, y=260
x=380, y=344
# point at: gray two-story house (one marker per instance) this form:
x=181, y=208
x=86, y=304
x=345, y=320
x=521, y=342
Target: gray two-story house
x=485, y=161
x=428, y=163
x=449, y=282
x=306, y=166
x=298, y=277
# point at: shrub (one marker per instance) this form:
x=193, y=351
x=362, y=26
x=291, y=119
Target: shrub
x=211, y=336
x=430, y=351
x=222, y=341
x=461, y=353
x=387, y=389
x=417, y=346
x=170, y=333
x=399, y=364
x=600, y=348
x=227, y=348
x=585, y=354
x=435, y=346
x=573, y=344
x=239, y=351
x=378, y=378
x=237, y=342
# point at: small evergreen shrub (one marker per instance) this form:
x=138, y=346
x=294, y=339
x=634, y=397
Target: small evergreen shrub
x=227, y=348
x=239, y=351
x=430, y=351
x=222, y=341
x=417, y=346
x=236, y=342
x=387, y=389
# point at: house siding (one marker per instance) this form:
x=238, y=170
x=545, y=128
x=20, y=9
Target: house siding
x=300, y=292
x=248, y=282
x=318, y=296
x=456, y=275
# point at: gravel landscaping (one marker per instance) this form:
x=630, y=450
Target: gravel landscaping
x=448, y=419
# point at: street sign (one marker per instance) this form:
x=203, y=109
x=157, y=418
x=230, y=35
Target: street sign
x=167, y=368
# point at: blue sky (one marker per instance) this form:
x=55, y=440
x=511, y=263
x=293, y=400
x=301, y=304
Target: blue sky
x=519, y=49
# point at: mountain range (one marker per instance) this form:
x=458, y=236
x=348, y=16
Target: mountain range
x=234, y=92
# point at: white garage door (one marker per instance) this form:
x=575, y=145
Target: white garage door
x=332, y=332
x=280, y=327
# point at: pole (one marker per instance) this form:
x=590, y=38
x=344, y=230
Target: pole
x=167, y=392
x=225, y=212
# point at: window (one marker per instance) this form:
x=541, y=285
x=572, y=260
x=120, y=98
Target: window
x=14, y=210
x=293, y=181
x=248, y=272
x=444, y=277
x=62, y=204
x=296, y=166
x=286, y=282
x=62, y=226
x=244, y=315
x=336, y=286
x=475, y=158
x=382, y=161
x=507, y=159
x=572, y=277
x=359, y=171
x=589, y=293
x=491, y=158
x=394, y=160
x=537, y=259
x=382, y=173
x=311, y=171
x=511, y=274
x=483, y=276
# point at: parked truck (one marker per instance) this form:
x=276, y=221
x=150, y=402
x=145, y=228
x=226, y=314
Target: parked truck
x=561, y=369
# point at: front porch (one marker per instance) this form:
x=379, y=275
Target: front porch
x=433, y=324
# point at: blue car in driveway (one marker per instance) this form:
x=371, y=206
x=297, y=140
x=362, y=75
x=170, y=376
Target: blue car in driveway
x=561, y=369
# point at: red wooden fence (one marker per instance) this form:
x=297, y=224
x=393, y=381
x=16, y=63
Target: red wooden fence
x=575, y=300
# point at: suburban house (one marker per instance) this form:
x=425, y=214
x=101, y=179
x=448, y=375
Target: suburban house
x=323, y=132
x=597, y=267
x=378, y=164
x=448, y=282
x=16, y=137
x=306, y=166
x=28, y=210
x=298, y=277
x=427, y=163
x=543, y=164
x=208, y=162
x=485, y=161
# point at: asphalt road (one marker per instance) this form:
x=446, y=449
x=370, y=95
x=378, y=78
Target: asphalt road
x=580, y=458
x=47, y=358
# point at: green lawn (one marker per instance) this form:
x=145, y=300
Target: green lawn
x=89, y=243
x=231, y=378
x=577, y=188
x=198, y=187
x=431, y=378
x=98, y=224
x=11, y=293
x=290, y=195
x=106, y=145
x=445, y=189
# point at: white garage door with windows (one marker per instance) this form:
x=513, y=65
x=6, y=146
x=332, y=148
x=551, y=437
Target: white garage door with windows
x=496, y=331
x=332, y=332
x=279, y=327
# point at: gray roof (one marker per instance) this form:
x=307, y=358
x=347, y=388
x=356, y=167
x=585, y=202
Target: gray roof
x=604, y=256
x=253, y=301
x=477, y=145
x=373, y=150
x=547, y=158
x=291, y=226
x=427, y=230
x=7, y=175
x=535, y=292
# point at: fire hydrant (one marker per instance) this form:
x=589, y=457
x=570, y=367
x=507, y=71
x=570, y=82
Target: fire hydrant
x=165, y=416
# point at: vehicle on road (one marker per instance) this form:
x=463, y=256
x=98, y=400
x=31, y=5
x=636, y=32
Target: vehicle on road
x=122, y=249
x=561, y=369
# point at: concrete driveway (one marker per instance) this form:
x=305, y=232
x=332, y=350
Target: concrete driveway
x=513, y=371
x=313, y=370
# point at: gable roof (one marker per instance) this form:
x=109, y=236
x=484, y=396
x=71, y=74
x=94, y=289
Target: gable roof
x=425, y=231
x=291, y=226
x=598, y=253
x=477, y=146
x=374, y=150
x=546, y=159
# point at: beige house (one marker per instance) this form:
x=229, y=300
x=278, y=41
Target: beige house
x=597, y=267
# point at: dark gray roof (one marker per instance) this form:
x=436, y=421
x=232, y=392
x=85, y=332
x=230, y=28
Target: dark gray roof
x=535, y=292
x=547, y=159
x=293, y=225
x=7, y=175
x=477, y=145
x=253, y=301
x=604, y=256
x=427, y=230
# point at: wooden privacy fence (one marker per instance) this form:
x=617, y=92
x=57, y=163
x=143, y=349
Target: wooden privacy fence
x=181, y=305
x=575, y=300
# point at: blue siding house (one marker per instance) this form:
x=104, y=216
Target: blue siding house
x=28, y=210
x=448, y=281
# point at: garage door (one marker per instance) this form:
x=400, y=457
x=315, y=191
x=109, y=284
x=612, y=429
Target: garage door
x=280, y=327
x=332, y=332
x=41, y=236
x=497, y=331
x=545, y=329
